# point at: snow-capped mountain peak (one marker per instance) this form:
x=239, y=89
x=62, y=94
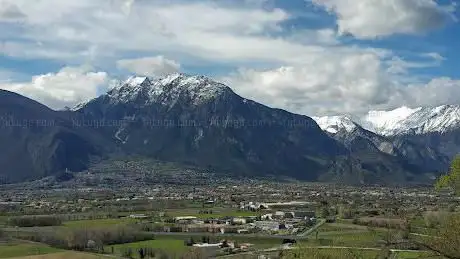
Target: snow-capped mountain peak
x=335, y=124
x=136, y=81
x=415, y=121
x=168, y=89
x=386, y=122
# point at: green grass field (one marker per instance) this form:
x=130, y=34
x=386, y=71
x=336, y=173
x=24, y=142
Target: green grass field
x=351, y=238
x=66, y=255
x=98, y=222
x=328, y=227
x=353, y=253
x=17, y=250
x=173, y=247
x=412, y=255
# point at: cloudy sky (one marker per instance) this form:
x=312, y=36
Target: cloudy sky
x=315, y=57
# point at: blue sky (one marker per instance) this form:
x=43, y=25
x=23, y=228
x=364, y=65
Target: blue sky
x=315, y=57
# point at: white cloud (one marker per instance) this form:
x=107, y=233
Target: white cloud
x=397, y=65
x=374, y=18
x=208, y=30
x=308, y=71
x=10, y=12
x=438, y=91
x=149, y=66
x=352, y=86
x=67, y=87
x=435, y=56
x=334, y=84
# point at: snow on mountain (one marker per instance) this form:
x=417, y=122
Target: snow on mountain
x=417, y=121
x=78, y=106
x=168, y=89
x=386, y=122
x=334, y=124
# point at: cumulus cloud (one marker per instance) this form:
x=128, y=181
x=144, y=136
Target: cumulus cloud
x=208, y=30
x=367, y=19
x=10, y=12
x=149, y=66
x=437, y=91
x=69, y=86
x=311, y=71
x=349, y=83
x=398, y=65
x=351, y=86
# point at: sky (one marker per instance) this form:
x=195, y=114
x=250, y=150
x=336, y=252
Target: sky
x=313, y=57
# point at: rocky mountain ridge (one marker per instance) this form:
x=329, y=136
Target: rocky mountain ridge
x=194, y=120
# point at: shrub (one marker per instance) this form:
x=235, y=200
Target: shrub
x=434, y=218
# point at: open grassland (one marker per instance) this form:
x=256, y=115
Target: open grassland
x=99, y=222
x=170, y=246
x=66, y=255
x=329, y=227
x=347, y=253
x=414, y=255
x=352, y=238
x=25, y=249
x=306, y=252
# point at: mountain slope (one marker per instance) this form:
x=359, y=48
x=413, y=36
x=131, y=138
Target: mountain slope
x=192, y=119
x=37, y=141
x=348, y=132
x=437, y=129
x=376, y=153
x=195, y=120
x=418, y=121
x=413, y=156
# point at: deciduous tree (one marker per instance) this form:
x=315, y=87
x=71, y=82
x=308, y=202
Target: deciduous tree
x=452, y=179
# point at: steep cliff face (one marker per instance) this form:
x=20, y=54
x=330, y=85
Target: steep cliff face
x=36, y=141
x=193, y=119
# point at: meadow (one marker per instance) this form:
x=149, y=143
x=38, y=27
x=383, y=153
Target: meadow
x=25, y=249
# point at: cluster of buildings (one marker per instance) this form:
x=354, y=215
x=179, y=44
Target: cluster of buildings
x=287, y=222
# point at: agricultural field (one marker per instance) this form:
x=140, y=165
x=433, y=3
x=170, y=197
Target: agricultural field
x=172, y=247
x=9, y=250
x=98, y=222
x=66, y=255
x=351, y=238
x=346, y=253
x=340, y=221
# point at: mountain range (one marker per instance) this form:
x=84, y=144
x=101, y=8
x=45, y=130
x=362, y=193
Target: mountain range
x=194, y=120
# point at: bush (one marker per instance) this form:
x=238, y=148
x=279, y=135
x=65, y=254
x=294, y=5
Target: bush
x=35, y=221
x=434, y=218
